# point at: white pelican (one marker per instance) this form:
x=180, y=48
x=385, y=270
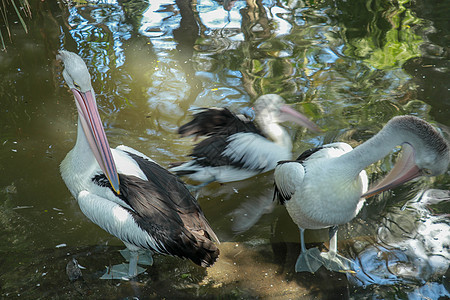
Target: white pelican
x=125, y=192
x=326, y=187
x=235, y=149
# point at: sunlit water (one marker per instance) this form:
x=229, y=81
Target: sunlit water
x=347, y=65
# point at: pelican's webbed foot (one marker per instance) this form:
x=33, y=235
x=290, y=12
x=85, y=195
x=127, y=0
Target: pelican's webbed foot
x=127, y=271
x=121, y=271
x=337, y=263
x=309, y=261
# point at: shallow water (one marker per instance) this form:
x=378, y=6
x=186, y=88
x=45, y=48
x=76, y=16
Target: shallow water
x=350, y=66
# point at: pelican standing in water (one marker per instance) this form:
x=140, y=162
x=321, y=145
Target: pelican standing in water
x=125, y=192
x=325, y=187
x=235, y=149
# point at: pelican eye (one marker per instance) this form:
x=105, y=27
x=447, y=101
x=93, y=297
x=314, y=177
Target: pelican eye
x=427, y=172
x=76, y=86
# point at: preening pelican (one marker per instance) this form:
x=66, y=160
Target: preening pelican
x=125, y=192
x=326, y=186
x=235, y=149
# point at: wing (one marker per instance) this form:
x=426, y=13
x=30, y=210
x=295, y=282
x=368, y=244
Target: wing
x=217, y=121
x=288, y=176
x=254, y=152
x=125, y=164
x=209, y=152
x=165, y=209
x=306, y=154
x=162, y=207
x=117, y=220
x=172, y=195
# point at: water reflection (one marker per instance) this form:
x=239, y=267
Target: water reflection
x=412, y=247
x=338, y=62
x=250, y=211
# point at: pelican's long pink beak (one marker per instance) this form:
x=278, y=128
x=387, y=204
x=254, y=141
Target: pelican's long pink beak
x=404, y=170
x=95, y=134
x=290, y=114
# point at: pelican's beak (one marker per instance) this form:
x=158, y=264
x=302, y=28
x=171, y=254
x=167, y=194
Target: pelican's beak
x=290, y=114
x=95, y=134
x=404, y=170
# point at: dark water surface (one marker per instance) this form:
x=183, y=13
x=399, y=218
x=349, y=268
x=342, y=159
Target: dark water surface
x=349, y=65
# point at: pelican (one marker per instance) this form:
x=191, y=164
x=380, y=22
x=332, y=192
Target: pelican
x=235, y=148
x=125, y=192
x=325, y=187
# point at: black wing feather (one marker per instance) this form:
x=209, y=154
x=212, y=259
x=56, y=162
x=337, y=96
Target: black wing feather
x=217, y=121
x=218, y=124
x=307, y=153
x=209, y=153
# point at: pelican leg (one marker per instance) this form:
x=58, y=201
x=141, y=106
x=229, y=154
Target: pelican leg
x=132, y=264
x=333, y=261
x=309, y=260
x=145, y=256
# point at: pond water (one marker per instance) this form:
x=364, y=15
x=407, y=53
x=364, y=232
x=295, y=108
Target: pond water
x=349, y=65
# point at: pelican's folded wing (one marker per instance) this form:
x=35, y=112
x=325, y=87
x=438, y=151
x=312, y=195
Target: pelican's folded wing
x=288, y=175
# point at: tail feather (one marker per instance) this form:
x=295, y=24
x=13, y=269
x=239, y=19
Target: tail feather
x=206, y=253
x=202, y=238
x=196, y=245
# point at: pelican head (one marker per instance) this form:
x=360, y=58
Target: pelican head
x=425, y=152
x=431, y=150
x=75, y=71
x=271, y=108
x=78, y=79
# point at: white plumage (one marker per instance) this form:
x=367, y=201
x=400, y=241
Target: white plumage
x=255, y=152
x=338, y=209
